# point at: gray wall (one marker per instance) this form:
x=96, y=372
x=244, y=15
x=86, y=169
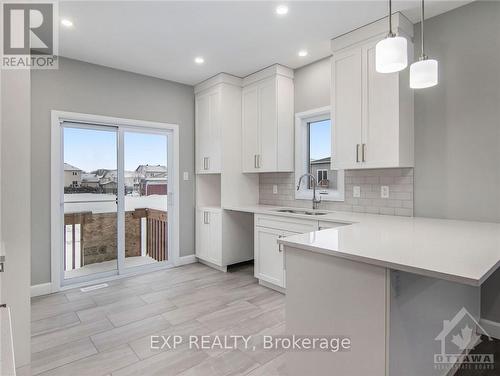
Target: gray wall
x=457, y=125
x=312, y=85
x=93, y=89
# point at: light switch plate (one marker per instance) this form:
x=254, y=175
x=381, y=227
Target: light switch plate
x=384, y=191
x=275, y=189
x=185, y=176
x=356, y=191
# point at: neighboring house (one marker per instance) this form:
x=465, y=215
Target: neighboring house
x=90, y=180
x=72, y=176
x=320, y=168
x=150, y=171
x=109, y=186
x=153, y=186
x=109, y=181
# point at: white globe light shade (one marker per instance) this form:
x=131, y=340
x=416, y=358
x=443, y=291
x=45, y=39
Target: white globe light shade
x=391, y=55
x=423, y=74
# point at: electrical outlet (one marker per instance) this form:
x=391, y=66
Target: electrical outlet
x=384, y=191
x=356, y=191
x=275, y=189
x=185, y=175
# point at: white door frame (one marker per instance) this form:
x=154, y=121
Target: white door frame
x=57, y=192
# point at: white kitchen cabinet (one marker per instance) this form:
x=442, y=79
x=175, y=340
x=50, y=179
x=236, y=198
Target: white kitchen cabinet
x=372, y=113
x=227, y=238
x=208, y=131
x=209, y=235
x=268, y=254
x=269, y=260
x=267, y=121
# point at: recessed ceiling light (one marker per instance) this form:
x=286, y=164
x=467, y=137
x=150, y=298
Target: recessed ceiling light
x=303, y=53
x=199, y=60
x=66, y=22
x=281, y=10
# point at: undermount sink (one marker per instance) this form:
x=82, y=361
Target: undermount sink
x=301, y=211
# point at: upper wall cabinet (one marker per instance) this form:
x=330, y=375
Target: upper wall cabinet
x=372, y=113
x=208, y=131
x=267, y=120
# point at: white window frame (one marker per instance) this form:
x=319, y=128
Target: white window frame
x=302, y=119
x=57, y=194
x=321, y=170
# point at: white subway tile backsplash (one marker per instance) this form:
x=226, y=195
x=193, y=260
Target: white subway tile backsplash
x=399, y=180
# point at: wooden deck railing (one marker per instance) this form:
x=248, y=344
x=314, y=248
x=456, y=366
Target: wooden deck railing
x=156, y=232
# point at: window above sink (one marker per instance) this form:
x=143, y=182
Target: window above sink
x=313, y=151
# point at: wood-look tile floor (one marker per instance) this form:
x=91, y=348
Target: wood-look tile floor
x=108, y=331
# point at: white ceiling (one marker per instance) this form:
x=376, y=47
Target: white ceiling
x=162, y=38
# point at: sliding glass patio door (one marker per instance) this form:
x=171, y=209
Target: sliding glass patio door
x=115, y=200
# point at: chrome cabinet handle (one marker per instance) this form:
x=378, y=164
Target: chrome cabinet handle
x=363, y=151
x=357, y=153
x=256, y=160
x=206, y=218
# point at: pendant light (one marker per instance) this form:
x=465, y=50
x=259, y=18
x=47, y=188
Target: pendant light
x=423, y=73
x=391, y=53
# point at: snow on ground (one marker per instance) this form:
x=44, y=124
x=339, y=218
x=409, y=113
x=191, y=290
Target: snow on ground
x=105, y=203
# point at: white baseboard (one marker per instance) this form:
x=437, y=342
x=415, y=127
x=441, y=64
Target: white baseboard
x=184, y=260
x=491, y=328
x=46, y=288
x=41, y=289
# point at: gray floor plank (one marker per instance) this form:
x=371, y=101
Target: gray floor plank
x=108, y=331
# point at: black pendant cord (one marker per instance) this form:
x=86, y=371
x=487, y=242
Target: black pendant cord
x=391, y=34
x=422, y=55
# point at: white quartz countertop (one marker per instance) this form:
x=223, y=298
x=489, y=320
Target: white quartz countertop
x=459, y=251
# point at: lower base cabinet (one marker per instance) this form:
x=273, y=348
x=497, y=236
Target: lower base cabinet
x=209, y=235
x=269, y=259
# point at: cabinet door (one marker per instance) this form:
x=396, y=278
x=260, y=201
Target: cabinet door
x=208, y=132
x=269, y=261
x=215, y=136
x=268, y=126
x=202, y=108
x=346, y=108
x=202, y=235
x=380, y=108
x=250, y=130
x=215, y=238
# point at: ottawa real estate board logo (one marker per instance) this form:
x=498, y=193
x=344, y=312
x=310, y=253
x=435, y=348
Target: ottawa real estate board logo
x=29, y=36
x=459, y=338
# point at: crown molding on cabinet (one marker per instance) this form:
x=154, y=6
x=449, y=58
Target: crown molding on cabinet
x=220, y=78
x=401, y=26
x=273, y=70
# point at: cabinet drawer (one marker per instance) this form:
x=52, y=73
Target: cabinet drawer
x=297, y=225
